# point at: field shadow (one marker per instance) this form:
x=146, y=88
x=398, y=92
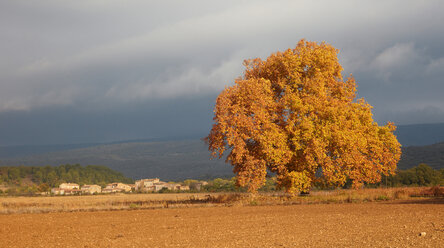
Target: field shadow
x=433, y=200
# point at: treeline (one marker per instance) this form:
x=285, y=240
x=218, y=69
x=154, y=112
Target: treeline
x=421, y=175
x=28, y=180
x=52, y=176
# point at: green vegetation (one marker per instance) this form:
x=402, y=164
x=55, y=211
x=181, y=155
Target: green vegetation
x=421, y=175
x=29, y=179
x=229, y=185
x=221, y=184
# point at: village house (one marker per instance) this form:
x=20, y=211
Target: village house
x=177, y=187
x=133, y=186
x=198, y=186
x=66, y=189
x=57, y=191
x=72, y=191
x=69, y=186
x=108, y=190
x=155, y=185
x=159, y=186
x=184, y=188
x=173, y=186
x=118, y=187
x=61, y=191
x=91, y=189
x=146, y=184
x=151, y=185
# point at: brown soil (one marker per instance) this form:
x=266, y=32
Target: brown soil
x=385, y=224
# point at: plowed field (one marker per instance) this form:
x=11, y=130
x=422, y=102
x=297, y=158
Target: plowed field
x=385, y=224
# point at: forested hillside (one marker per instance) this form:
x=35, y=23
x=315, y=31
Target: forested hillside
x=52, y=176
x=432, y=155
x=169, y=160
x=179, y=160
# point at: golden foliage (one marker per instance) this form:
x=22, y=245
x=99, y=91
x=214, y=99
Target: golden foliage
x=294, y=115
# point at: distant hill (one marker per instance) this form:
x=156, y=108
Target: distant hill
x=420, y=134
x=432, y=155
x=28, y=150
x=178, y=160
x=168, y=160
x=189, y=158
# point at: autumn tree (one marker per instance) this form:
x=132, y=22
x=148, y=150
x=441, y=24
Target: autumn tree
x=294, y=115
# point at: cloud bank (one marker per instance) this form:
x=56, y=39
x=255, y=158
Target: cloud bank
x=96, y=55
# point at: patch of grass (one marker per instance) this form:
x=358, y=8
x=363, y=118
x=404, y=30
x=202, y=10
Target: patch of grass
x=134, y=206
x=382, y=198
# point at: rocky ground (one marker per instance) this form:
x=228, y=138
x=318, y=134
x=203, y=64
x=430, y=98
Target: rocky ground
x=382, y=224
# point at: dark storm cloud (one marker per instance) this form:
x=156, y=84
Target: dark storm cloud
x=61, y=125
x=93, y=57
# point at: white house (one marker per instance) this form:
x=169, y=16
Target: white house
x=91, y=189
x=69, y=186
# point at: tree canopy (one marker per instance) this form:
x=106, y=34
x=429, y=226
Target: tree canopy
x=293, y=114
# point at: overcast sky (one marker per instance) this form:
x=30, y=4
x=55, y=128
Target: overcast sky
x=98, y=71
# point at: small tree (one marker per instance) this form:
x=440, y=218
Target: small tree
x=44, y=187
x=294, y=115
